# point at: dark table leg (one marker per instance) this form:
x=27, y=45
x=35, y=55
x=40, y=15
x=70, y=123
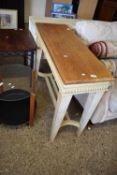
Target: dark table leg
x=32, y=59
x=25, y=58
x=29, y=58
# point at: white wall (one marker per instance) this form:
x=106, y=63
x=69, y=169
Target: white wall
x=87, y=8
x=34, y=8
x=27, y=10
x=38, y=7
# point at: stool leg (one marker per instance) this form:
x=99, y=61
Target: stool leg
x=32, y=109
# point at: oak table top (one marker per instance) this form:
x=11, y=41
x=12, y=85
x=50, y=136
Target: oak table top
x=73, y=60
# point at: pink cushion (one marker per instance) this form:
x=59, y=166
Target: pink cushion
x=104, y=49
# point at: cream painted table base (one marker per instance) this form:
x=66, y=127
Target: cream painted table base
x=63, y=100
x=95, y=89
x=61, y=108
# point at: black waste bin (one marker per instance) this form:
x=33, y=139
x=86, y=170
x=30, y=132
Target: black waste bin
x=14, y=106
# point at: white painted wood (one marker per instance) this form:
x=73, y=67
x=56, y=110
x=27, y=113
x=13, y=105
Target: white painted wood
x=70, y=122
x=89, y=107
x=60, y=110
x=38, y=59
x=53, y=97
x=51, y=85
x=54, y=85
x=34, y=19
x=71, y=88
x=95, y=90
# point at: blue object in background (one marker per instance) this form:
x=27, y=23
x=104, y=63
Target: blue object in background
x=62, y=10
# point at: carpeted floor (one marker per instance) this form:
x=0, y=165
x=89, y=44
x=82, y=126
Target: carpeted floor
x=28, y=151
x=25, y=150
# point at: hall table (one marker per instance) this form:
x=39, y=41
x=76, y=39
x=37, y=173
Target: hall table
x=75, y=69
x=17, y=42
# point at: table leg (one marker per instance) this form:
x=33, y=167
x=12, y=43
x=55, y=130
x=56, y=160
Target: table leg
x=25, y=58
x=32, y=59
x=60, y=110
x=29, y=58
x=89, y=108
x=38, y=59
x=32, y=109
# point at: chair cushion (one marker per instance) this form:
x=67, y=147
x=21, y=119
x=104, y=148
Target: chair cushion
x=104, y=49
x=92, y=30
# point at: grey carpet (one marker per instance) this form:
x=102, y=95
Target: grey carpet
x=26, y=150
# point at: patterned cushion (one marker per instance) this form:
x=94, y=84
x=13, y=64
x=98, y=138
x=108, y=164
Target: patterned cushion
x=104, y=49
x=92, y=30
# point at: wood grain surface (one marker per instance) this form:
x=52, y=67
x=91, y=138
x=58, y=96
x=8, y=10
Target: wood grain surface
x=16, y=40
x=73, y=60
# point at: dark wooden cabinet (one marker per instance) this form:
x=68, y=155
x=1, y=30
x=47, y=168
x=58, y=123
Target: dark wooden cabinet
x=15, y=4
x=106, y=10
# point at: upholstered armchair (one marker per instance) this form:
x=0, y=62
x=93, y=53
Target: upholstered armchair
x=101, y=38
